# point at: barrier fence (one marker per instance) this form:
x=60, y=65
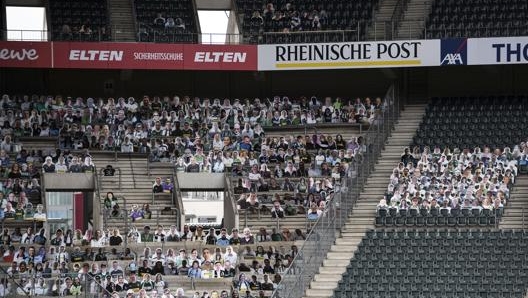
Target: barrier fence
x=322, y=236
x=32, y=285
x=393, y=29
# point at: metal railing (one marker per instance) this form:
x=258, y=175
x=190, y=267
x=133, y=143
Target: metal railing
x=90, y=287
x=178, y=199
x=476, y=31
x=10, y=277
x=320, y=238
x=26, y=35
x=397, y=14
x=388, y=30
x=232, y=218
x=309, y=36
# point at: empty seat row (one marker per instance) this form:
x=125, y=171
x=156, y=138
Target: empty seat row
x=476, y=19
x=484, y=263
x=437, y=217
x=468, y=122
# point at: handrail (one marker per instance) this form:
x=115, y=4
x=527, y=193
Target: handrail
x=193, y=284
x=126, y=220
x=162, y=194
x=523, y=226
x=231, y=197
x=98, y=194
x=134, y=15
x=98, y=284
x=397, y=14
x=14, y=281
x=196, y=18
x=301, y=32
x=238, y=16
x=328, y=35
x=123, y=208
x=115, y=153
x=311, y=234
x=178, y=200
x=323, y=232
x=239, y=38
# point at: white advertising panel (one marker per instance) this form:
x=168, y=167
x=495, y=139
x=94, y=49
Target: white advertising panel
x=349, y=55
x=502, y=50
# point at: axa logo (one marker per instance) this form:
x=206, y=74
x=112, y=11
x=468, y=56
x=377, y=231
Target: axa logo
x=453, y=51
x=20, y=55
x=95, y=55
x=215, y=57
x=453, y=59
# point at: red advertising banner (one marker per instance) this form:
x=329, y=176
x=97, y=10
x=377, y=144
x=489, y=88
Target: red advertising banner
x=78, y=217
x=220, y=57
x=128, y=56
x=25, y=54
x=117, y=55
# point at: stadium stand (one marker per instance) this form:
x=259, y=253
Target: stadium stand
x=469, y=122
x=477, y=18
x=438, y=210
x=328, y=205
x=166, y=21
x=292, y=21
x=414, y=263
x=79, y=20
x=305, y=168
x=431, y=188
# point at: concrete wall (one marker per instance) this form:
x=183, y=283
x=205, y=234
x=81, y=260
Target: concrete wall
x=213, y=4
x=115, y=83
x=201, y=181
x=205, y=208
x=435, y=81
x=69, y=182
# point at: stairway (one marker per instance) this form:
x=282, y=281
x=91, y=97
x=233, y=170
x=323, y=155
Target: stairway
x=136, y=188
x=122, y=20
x=362, y=217
x=381, y=27
x=517, y=206
x=413, y=20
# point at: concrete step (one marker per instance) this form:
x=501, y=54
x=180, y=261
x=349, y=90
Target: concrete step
x=348, y=241
x=325, y=285
x=342, y=248
x=366, y=205
x=332, y=255
x=373, y=193
x=351, y=234
x=318, y=293
x=327, y=270
x=327, y=277
x=334, y=263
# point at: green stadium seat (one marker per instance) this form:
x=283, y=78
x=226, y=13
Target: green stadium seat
x=482, y=267
x=401, y=218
